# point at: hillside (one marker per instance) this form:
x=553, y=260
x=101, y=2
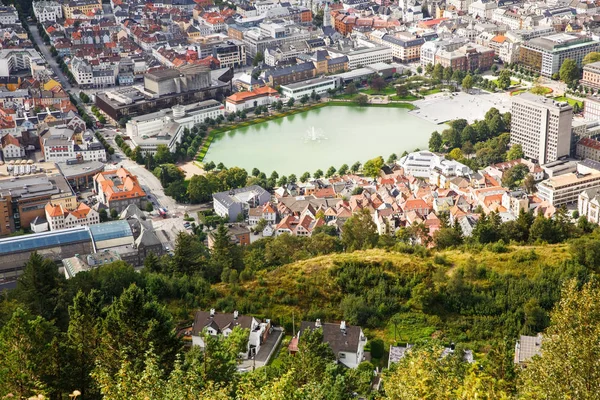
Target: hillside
x=473, y=297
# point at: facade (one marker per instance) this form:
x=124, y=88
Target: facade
x=98, y=75
x=8, y=15
x=60, y=218
x=61, y=144
x=365, y=55
x=541, y=126
x=427, y=165
x=18, y=60
x=429, y=49
x=78, y=263
x=246, y=100
x=588, y=205
x=591, y=108
x=346, y=341
x=11, y=148
x=231, y=204
x=83, y=6
x=565, y=189
x=588, y=148
x=285, y=75
x=469, y=57
x=317, y=85
x=404, y=49
x=118, y=189
x=591, y=75
x=47, y=11
x=231, y=54
x=545, y=55
x=222, y=324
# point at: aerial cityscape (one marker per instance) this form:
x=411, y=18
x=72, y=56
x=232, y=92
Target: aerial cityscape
x=303, y=199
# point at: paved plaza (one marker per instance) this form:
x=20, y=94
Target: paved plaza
x=443, y=107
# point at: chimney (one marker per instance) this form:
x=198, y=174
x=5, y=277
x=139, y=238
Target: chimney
x=318, y=323
x=235, y=314
x=343, y=326
x=212, y=312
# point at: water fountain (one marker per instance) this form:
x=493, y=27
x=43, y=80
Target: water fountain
x=313, y=135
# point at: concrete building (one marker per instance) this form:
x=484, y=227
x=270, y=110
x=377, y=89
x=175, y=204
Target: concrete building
x=47, y=11
x=117, y=189
x=187, y=78
x=541, y=126
x=86, y=262
x=591, y=108
x=427, y=165
x=12, y=60
x=565, y=189
x=80, y=174
x=429, y=49
x=545, y=55
x=591, y=75
x=246, y=100
x=60, y=218
x=482, y=9
x=231, y=204
x=231, y=54
x=94, y=75
x=405, y=47
x=8, y=15
x=588, y=148
x=11, y=148
x=363, y=55
x=318, y=85
x=23, y=198
x=166, y=127
x=466, y=58
x=82, y=6
x=62, y=144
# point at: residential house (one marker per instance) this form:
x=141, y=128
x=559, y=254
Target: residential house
x=230, y=204
x=60, y=218
x=588, y=205
x=266, y=212
x=11, y=148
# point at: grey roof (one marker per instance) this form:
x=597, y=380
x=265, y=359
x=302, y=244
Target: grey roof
x=339, y=340
x=397, y=353
x=110, y=230
x=527, y=347
x=403, y=42
x=147, y=238
x=36, y=241
x=229, y=198
x=219, y=321
x=275, y=72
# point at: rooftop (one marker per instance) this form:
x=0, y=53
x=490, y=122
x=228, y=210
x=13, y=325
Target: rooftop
x=29, y=243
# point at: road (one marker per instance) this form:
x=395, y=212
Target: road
x=63, y=80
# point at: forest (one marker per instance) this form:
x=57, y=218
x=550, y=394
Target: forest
x=113, y=332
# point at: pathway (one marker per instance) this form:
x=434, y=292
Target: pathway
x=35, y=34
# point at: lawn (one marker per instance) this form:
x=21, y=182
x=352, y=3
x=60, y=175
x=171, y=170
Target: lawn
x=388, y=90
x=427, y=92
x=569, y=100
x=409, y=97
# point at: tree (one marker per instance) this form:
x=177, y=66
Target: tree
x=209, y=166
x=26, y=364
x=305, y=177
x=455, y=154
x=114, y=214
x=343, y=170
x=330, y=172
x=163, y=155
x=402, y=91
x=134, y=324
x=514, y=176
x=318, y=174
x=373, y=166
x=355, y=167
x=419, y=69
x=592, y=57
x=361, y=99
x=435, y=142
x=290, y=102
x=378, y=84
x=103, y=215
x=304, y=99
x=438, y=72
x=39, y=287
x=224, y=254
x=258, y=58
x=571, y=343
x=359, y=231
x=190, y=256
x=351, y=89
x=503, y=81
x=569, y=71
x=515, y=152
x=468, y=134
x=467, y=83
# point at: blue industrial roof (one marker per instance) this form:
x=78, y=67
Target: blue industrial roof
x=110, y=230
x=42, y=240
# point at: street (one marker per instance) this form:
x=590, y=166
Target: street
x=62, y=79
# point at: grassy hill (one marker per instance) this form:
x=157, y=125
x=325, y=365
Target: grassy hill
x=473, y=297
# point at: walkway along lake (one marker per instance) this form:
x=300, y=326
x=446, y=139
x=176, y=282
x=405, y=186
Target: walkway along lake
x=341, y=135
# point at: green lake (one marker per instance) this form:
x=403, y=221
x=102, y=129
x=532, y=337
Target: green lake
x=320, y=138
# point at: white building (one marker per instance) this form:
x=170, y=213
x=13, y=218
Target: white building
x=61, y=144
x=60, y=218
x=317, y=85
x=541, y=126
x=98, y=75
x=436, y=168
x=361, y=56
x=8, y=15
x=18, y=60
x=482, y=9
x=566, y=188
x=246, y=100
x=588, y=205
x=236, y=201
x=47, y=11
x=222, y=324
x=12, y=148
x=346, y=341
x=430, y=49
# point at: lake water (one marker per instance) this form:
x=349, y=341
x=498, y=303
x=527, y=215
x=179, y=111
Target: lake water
x=342, y=135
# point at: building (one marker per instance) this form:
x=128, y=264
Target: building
x=359, y=56
x=80, y=174
x=60, y=218
x=482, y=9
x=222, y=324
x=15, y=59
x=230, y=204
x=8, y=15
x=526, y=348
x=23, y=198
x=231, y=54
x=430, y=48
x=545, y=55
x=566, y=188
x=591, y=108
x=15, y=251
x=469, y=57
x=62, y=144
x=189, y=77
x=404, y=48
x=117, y=189
x=541, y=126
x=346, y=341
x=86, y=262
x=246, y=100
x=11, y=148
x=588, y=205
x=266, y=212
x=47, y=11
x=588, y=148
x=166, y=126
x=427, y=165
x=94, y=75
x=515, y=201
x=285, y=75
x=318, y=85
x=239, y=234
x=591, y=75
x=82, y=6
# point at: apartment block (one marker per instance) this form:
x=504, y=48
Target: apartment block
x=541, y=126
x=591, y=75
x=565, y=189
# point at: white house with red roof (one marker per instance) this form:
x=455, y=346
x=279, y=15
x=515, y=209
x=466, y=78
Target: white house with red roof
x=60, y=218
x=266, y=212
x=245, y=100
x=12, y=148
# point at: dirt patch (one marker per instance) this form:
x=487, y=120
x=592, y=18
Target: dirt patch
x=191, y=168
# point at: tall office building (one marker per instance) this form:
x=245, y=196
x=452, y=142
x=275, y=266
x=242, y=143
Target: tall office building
x=541, y=126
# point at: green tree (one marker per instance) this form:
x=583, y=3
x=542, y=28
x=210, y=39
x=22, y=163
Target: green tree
x=569, y=71
x=503, y=81
x=134, y=324
x=378, y=84
x=571, y=343
x=200, y=189
x=355, y=167
x=290, y=102
x=351, y=89
x=152, y=263
x=258, y=58
x=305, y=177
x=373, y=166
x=467, y=83
x=224, y=254
x=359, y=231
x=402, y=91
x=435, y=142
x=592, y=57
x=456, y=154
x=361, y=99
x=103, y=215
x=149, y=206
x=330, y=172
x=514, y=176
x=163, y=155
x=114, y=214
x=318, y=174
x=515, y=152
x=190, y=256
x=209, y=166
x=343, y=170
x=438, y=72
